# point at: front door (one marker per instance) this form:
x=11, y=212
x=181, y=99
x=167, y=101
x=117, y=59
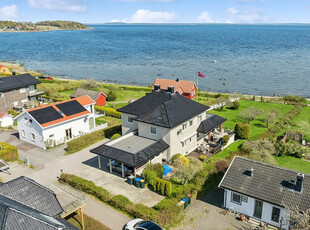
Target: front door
x=258, y=209
x=68, y=134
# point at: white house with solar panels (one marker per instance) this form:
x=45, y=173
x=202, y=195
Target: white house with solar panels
x=57, y=123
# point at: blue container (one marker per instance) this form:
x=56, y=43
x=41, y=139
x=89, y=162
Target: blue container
x=137, y=184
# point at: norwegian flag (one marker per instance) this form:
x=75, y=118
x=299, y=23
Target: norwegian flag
x=201, y=75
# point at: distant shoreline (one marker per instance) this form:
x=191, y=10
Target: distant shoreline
x=36, y=31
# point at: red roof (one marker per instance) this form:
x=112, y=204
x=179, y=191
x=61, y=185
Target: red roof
x=1, y=66
x=2, y=114
x=179, y=85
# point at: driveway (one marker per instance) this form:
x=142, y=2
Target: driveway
x=206, y=214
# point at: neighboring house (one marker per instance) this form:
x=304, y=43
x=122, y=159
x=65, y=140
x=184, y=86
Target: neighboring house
x=263, y=191
x=25, y=204
x=5, y=70
x=17, y=91
x=57, y=123
x=6, y=120
x=99, y=97
x=158, y=126
x=186, y=88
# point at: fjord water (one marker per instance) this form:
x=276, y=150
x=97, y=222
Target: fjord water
x=255, y=59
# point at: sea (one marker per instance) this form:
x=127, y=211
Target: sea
x=249, y=59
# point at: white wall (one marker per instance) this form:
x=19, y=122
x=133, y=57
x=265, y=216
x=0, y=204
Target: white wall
x=247, y=208
x=128, y=127
x=144, y=130
x=6, y=121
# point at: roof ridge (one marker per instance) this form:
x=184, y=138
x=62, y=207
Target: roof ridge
x=168, y=118
x=36, y=183
x=270, y=165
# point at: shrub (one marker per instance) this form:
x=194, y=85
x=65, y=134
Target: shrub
x=235, y=105
x=291, y=99
x=174, y=157
x=168, y=188
x=162, y=186
x=242, y=130
x=202, y=157
x=157, y=168
x=13, y=112
x=108, y=111
x=226, y=139
x=259, y=150
x=149, y=176
x=91, y=138
x=144, y=212
x=116, y=135
x=221, y=166
x=111, y=96
x=8, y=152
x=121, y=202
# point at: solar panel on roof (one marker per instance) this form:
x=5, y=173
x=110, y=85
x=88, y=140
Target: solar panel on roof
x=71, y=107
x=45, y=115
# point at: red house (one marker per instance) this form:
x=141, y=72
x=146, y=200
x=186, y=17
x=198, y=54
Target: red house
x=99, y=97
x=186, y=88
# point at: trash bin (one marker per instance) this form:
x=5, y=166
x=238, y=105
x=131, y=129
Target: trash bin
x=141, y=183
x=189, y=198
x=137, y=184
x=131, y=180
x=185, y=202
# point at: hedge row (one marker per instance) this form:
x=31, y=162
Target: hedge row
x=108, y=111
x=55, y=99
x=91, y=138
x=162, y=186
x=8, y=152
x=164, y=213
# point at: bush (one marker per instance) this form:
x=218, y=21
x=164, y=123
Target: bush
x=116, y=135
x=221, y=166
x=8, y=152
x=157, y=168
x=121, y=202
x=108, y=111
x=149, y=176
x=242, y=130
x=235, y=105
x=162, y=186
x=174, y=157
x=144, y=212
x=202, y=157
x=91, y=138
x=291, y=99
x=226, y=139
x=111, y=96
x=168, y=188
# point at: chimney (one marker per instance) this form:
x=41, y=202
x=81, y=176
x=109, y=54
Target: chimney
x=13, y=73
x=171, y=89
x=157, y=87
x=177, y=80
x=300, y=178
x=251, y=172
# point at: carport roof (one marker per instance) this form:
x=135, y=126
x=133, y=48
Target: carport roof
x=137, y=156
x=211, y=122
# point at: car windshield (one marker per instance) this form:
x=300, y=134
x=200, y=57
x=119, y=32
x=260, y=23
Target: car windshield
x=140, y=222
x=149, y=225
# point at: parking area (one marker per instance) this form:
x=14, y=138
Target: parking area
x=114, y=183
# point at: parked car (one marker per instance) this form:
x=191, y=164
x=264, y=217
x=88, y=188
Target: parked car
x=118, y=168
x=46, y=78
x=139, y=224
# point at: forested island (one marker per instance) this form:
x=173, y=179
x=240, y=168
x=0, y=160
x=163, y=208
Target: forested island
x=11, y=26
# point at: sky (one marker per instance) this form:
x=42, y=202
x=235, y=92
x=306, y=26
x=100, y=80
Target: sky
x=158, y=11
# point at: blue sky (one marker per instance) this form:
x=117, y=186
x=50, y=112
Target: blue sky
x=158, y=11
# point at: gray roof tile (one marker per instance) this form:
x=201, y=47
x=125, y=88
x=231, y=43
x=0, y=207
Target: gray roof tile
x=211, y=122
x=17, y=81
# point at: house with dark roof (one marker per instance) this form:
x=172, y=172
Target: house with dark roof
x=99, y=97
x=18, y=91
x=158, y=126
x=25, y=204
x=57, y=123
x=186, y=88
x=265, y=192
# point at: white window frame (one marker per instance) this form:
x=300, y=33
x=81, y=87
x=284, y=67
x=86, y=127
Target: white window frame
x=273, y=207
x=22, y=90
x=23, y=133
x=184, y=126
x=130, y=122
x=244, y=198
x=191, y=121
x=184, y=144
x=200, y=118
x=30, y=88
x=232, y=198
x=154, y=128
x=33, y=137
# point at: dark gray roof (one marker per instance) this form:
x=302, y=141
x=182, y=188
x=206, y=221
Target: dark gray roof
x=16, y=216
x=81, y=92
x=164, y=109
x=211, y=122
x=30, y=193
x=268, y=183
x=17, y=81
x=132, y=159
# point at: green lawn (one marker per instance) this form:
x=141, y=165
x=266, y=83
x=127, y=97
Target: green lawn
x=257, y=127
x=115, y=104
x=106, y=119
x=65, y=94
x=234, y=147
x=293, y=163
x=89, y=222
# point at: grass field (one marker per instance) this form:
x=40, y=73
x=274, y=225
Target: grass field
x=66, y=94
x=293, y=163
x=257, y=127
x=89, y=223
x=106, y=119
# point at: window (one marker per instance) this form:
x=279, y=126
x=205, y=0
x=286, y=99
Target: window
x=33, y=136
x=31, y=88
x=190, y=122
x=129, y=119
x=22, y=90
x=244, y=198
x=184, y=126
x=91, y=109
x=199, y=118
x=190, y=140
x=236, y=198
x=1, y=94
x=153, y=130
x=275, y=216
x=183, y=144
x=23, y=133
x=51, y=136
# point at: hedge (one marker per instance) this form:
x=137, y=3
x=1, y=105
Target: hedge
x=116, y=135
x=242, y=130
x=8, y=152
x=91, y=138
x=108, y=111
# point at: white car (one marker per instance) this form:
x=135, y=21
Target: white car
x=139, y=224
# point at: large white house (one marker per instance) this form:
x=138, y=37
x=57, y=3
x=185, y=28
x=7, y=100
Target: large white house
x=158, y=126
x=265, y=192
x=57, y=123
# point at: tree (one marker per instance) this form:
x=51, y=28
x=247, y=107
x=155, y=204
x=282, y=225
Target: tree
x=242, y=131
x=298, y=220
x=185, y=173
x=251, y=113
x=277, y=112
x=270, y=118
x=168, y=188
x=111, y=96
x=259, y=150
x=222, y=102
x=89, y=84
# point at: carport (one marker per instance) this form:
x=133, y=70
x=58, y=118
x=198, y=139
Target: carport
x=133, y=151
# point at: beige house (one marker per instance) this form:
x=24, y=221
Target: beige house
x=158, y=126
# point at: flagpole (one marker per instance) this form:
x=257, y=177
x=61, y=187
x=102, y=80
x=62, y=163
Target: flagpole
x=197, y=87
